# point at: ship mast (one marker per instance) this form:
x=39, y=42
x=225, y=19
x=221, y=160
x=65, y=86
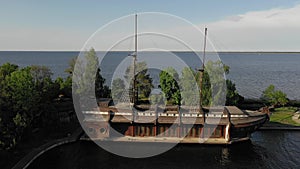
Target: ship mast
x=201, y=71
x=134, y=64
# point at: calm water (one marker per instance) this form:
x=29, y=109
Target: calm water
x=252, y=72
x=266, y=150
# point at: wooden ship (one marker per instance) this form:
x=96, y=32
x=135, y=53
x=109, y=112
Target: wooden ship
x=171, y=124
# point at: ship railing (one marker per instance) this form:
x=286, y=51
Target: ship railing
x=146, y=114
x=168, y=114
x=94, y=112
x=191, y=115
x=238, y=115
x=123, y=113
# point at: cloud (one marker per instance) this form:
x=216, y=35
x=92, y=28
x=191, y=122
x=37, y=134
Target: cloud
x=270, y=30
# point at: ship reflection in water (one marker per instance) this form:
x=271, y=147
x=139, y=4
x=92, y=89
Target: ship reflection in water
x=268, y=149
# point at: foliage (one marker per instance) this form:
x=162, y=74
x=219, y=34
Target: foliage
x=48, y=90
x=206, y=88
x=216, y=71
x=18, y=105
x=71, y=67
x=143, y=80
x=157, y=97
x=169, y=80
x=274, y=97
x=6, y=69
x=65, y=86
x=87, y=71
x=118, y=87
x=25, y=97
x=232, y=95
x=189, y=87
x=40, y=73
x=213, y=85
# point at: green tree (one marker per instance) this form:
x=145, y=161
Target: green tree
x=232, y=95
x=274, y=97
x=19, y=107
x=20, y=88
x=189, y=87
x=5, y=70
x=65, y=86
x=143, y=80
x=7, y=125
x=118, y=88
x=26, y=95
x=102, y=90
x=157, y=97
x=71, y=67
x=88, y=73
x=169, y=80
x=213, y=85
x=206, y=88
x=40, y=73
x=48, y=90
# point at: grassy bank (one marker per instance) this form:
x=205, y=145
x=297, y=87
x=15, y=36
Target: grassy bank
x=283, y=117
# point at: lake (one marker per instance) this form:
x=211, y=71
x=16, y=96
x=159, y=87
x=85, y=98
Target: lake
x=252, y=72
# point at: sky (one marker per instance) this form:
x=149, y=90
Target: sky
x=234, y=25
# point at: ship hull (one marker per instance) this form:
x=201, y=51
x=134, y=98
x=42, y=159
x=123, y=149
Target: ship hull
x=219, y=127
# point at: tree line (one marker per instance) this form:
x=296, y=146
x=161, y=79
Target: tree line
x=181, y=90
x=29, y=98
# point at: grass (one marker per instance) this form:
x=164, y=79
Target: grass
x=283, y=115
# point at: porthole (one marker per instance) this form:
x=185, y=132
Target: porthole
x=91, y=130
x=102, y=130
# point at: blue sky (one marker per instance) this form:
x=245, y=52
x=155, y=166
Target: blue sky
x=33, y=24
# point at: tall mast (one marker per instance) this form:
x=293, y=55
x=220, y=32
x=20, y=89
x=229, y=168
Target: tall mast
x=204, y=48
x=201, y=70
x=135, y=48
x=134, y=63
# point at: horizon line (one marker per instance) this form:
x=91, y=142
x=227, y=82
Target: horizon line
x=223, y=51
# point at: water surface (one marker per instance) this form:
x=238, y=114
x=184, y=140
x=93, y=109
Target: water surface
x=268, y=149
x=252, y=72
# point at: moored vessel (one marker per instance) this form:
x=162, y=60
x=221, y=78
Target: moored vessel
x=170, y=123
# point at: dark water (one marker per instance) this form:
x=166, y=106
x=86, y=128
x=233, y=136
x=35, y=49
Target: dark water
x=252, y=72
x=267, y=150
x=56, y=61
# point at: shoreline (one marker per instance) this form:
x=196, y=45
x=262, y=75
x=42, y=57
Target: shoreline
x=279, y=128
